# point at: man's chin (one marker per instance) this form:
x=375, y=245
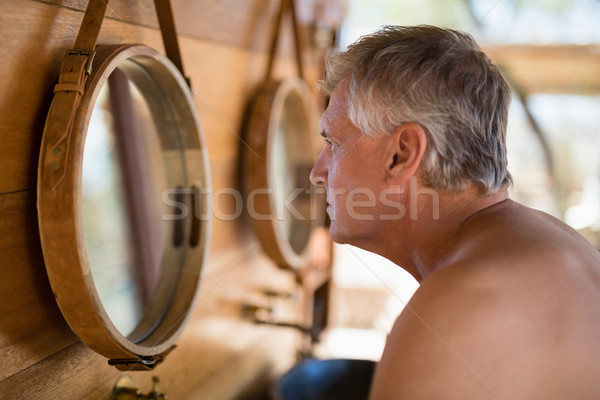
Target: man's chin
x=354, y=237
x=337, y=235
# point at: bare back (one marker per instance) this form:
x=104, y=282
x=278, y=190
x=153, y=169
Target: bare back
x=513, y=314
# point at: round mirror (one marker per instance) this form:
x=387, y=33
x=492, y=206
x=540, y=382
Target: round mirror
x=283, y=205
x=123, y=167
x=123, y=201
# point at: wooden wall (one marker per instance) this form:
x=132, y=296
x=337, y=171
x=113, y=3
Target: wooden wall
x=220, y=355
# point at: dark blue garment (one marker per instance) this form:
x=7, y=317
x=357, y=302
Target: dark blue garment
x=337, y=379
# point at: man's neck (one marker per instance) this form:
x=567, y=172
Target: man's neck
x=428, y=238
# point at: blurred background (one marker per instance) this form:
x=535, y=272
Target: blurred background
x=549, y=52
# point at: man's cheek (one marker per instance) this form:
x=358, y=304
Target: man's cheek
x=360, y=204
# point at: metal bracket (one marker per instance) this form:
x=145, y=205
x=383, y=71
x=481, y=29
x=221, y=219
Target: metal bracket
x=142, y=363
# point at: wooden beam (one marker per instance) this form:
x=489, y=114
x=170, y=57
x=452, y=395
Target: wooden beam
x=564, y=69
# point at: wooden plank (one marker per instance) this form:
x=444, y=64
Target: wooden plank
x=228, y=207
x=570, y=69
x=246, y=24
x=26, y=85
x=31, y=325
x=210, y=367
x=65, y=375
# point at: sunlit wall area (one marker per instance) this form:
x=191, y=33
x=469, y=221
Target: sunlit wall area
x=549, y=51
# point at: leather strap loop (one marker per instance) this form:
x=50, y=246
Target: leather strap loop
x=68, y=87
x=73, y=74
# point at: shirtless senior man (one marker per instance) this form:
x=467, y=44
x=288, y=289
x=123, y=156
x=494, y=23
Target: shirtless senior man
x=415, y=170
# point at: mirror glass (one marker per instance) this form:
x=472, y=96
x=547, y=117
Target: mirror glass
x=124, y=174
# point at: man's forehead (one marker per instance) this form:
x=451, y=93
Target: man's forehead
x=336, y=109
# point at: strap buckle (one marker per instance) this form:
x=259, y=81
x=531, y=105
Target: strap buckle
x=90, y=54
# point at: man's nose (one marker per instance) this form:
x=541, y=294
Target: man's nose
x=318, y=174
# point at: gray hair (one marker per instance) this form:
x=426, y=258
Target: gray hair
x=440, y=79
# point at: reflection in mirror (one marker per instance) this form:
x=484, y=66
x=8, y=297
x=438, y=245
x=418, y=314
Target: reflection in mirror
x=123, y=177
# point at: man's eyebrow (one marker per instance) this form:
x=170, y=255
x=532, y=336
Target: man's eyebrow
x=324, y=134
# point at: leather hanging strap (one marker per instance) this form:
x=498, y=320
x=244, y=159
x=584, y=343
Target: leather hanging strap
x=285, y=6
x=74, y=71
x=77, y=65
x=90, y=26
x=166, y=21
x=78, y=62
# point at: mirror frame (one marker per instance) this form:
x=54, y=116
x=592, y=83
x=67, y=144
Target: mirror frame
x=60, y=220
x=265, y=114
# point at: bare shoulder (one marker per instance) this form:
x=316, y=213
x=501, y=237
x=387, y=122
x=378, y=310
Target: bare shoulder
x=461, y=338
x=516, y=315
x=447, y=343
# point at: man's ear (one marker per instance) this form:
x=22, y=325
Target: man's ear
x=407, y=146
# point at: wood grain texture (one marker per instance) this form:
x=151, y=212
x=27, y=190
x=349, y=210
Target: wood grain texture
x=26, y=85
x=245, y=24
x=31, y=325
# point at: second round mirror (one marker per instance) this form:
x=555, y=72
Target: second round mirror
x=284, y=207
